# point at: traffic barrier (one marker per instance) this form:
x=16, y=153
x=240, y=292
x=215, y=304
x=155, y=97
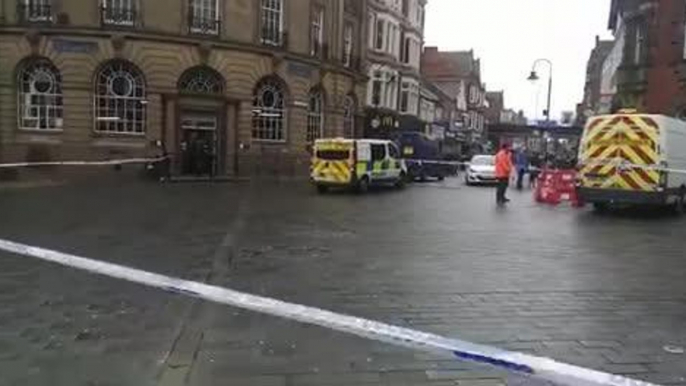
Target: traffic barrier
x=557, y=185
x=537, y=368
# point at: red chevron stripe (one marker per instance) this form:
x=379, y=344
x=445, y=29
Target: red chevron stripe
x=630, y=180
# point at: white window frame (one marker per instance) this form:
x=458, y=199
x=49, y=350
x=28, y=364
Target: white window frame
x=409, y=91
x=348, y=43
x=315, y=116
x=119, y=8
x=387, y=79
x=271, y=21
x=269, y=122
x=116, y=113
x=317, y=31
x=40, y=109
x=37, y=10
x=205, y=16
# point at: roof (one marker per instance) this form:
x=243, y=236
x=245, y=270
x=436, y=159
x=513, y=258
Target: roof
x=459, y=64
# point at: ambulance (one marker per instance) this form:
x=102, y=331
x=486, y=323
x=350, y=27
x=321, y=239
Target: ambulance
x=356, y=163
x=631, y=158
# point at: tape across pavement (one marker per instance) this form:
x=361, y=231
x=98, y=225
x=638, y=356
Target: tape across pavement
x=83, y=163
x=523, y=364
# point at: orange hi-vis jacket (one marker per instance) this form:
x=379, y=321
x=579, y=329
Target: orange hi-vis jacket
x=503, y=164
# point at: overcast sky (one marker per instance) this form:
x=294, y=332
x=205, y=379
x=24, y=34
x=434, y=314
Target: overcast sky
x=508, y=35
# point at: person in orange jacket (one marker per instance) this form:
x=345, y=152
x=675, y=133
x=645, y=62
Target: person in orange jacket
x=503, y=170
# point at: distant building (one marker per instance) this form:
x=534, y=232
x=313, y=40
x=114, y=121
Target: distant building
x=496, y=106
x=458, y=74
x=394, y=46
x=593, y=96
x=649, y=35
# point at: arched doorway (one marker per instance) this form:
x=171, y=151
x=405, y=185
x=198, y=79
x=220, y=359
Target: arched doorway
x=201, y=122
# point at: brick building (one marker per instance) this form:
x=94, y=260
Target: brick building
x=243, y=85
x=593, y=98
x=649, y=75
x=458, y=74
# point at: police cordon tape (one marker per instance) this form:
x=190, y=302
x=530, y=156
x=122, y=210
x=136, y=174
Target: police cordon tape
x=540, y=368
x=115, y=162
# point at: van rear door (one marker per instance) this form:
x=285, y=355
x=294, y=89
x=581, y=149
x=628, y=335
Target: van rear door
x=617, y=152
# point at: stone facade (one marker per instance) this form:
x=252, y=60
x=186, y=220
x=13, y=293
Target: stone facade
x=139, y=81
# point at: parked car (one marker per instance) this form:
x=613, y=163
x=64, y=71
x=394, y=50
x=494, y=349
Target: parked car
x=481, y=170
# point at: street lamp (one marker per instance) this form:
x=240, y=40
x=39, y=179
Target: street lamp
x=534, y=77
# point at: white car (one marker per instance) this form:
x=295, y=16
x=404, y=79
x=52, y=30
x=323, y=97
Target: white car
x=481, y=170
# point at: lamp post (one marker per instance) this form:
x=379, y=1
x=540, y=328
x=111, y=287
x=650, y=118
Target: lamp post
x=534, y=77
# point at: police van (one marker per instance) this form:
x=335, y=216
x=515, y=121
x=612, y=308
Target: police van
x=356, y=163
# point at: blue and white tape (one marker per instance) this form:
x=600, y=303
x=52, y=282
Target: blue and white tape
x=537, y=367
x=126, y=161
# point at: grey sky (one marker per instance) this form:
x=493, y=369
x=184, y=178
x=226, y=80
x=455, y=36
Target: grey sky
x=508, y=35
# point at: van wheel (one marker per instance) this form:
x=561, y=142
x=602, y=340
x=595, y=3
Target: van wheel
x=441, y=178
x=321, y=189
x=363, y=185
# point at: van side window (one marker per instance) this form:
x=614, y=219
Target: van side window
x=378, y=152
x=393, y=151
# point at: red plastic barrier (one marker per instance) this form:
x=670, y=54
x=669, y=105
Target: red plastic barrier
x=557, y=185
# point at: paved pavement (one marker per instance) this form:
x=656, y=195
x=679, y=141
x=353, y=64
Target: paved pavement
x=606, y=292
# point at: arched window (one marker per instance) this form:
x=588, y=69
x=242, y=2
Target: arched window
x=40, y=96
x=315, y=116
x=201, y=80
x=120, y=104
x=349, y=111
x=269, y=111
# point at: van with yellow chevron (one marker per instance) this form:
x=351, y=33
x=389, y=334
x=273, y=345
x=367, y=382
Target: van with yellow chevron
x=356, y=163
x=633, y=158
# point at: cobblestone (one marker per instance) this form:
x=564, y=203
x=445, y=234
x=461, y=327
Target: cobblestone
x=606, y=292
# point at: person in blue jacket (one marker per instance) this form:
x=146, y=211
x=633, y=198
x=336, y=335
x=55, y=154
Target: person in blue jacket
x=522, y=167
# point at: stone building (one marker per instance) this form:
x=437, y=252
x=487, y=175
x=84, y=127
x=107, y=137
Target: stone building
x=223, y=86
x=395, y=30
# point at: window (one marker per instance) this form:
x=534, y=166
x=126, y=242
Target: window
x=317, y=32
x=203, y=16
x=35, y=10
x=379, y=42
x=409, y=98
x=405, y=50
x=348, y=45
x=349, y=117
x=383, y=85
x=40, y=96
x=377, y=86
x=201, y=80
x=269, y=111
x=393, y=151
x=315, y=116
x=120, y=99
x=119, y=12
x=639, y=49
x=272, y=22
x=378, y=152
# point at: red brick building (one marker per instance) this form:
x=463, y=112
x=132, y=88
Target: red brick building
x=651, y=73
x=458, y=74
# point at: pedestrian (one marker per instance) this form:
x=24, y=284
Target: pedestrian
x=535, y=169
x=522, y=164
x=503, y=170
